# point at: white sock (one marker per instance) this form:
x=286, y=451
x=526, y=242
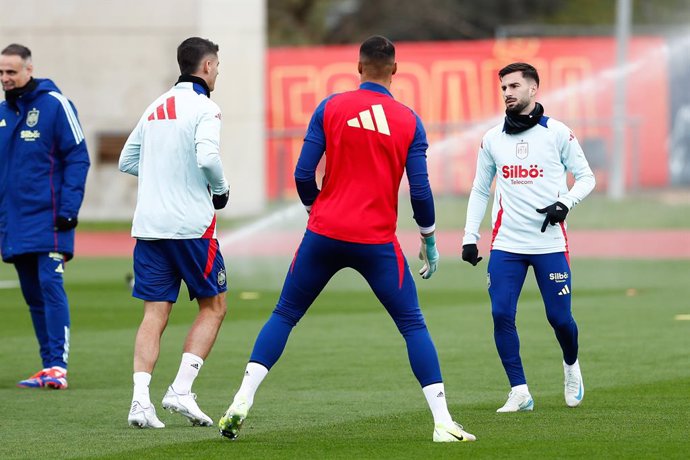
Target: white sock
x=254, y=374
x=573, y=366
x=189, y=369
x=522, y=389
x=436, y=398
x=141, y=388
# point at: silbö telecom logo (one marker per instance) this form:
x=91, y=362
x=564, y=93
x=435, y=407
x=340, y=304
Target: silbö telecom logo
x=559, y=277
x=520, y=175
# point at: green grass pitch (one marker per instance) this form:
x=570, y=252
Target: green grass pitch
x=344, y=389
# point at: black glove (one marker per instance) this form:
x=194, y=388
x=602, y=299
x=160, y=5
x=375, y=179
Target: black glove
x=554, y=214
x=470, y=254
x=219, y=201
x=64, y=224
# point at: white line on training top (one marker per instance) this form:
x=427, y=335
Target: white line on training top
x=71, y=117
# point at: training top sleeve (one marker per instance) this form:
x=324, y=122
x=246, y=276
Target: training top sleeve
x=129, y=157
x=74, y=156
x=576, y=163
x=421, y=197
x=305, y=172
x=207, y=141
x=313, y=149
x=479, y=195
x=315, y=132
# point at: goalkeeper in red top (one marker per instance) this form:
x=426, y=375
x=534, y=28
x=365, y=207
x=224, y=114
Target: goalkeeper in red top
x=369, y=140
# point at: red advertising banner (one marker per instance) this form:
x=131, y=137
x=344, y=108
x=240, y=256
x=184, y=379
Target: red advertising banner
x=454, y=88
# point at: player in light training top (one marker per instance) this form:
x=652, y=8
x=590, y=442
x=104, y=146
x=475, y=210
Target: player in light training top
x=530, y=155
x=174, y=150
x=369, y=140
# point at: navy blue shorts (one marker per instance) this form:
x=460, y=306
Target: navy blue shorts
x=161, y=265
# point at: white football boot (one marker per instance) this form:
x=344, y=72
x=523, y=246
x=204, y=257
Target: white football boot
x=574, y=387
x=231, y=422
x=452, y=433
x=186, y=405
x=517, y=402
x=143, y=417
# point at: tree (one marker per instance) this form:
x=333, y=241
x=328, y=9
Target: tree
x=297, y=22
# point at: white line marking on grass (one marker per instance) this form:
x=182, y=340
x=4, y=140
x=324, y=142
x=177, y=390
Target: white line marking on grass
x=249, y=295
x=682, y=318
x=271, y=221
x=6, y=284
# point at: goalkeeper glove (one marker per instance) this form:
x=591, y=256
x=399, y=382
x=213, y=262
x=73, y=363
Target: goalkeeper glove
x=470, y=254
x=64, y=224
x=219, y=201
x=429, y=254
x=555, y=214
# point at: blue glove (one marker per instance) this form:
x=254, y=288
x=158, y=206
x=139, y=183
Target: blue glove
x=429, y=254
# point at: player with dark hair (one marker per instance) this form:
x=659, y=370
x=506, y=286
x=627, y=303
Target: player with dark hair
x=192, y=51
x=43, y=168
x=175, y=152
x=530, y=155
x=369, y=141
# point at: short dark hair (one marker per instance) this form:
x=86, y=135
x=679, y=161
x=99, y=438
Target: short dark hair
x=377, y=49
x=192, y=51
x=527, y=70
x=16, y=49
x=377, y=56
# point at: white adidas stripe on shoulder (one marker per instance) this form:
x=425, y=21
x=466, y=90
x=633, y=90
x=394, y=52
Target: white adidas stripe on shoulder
x=354, y=122
x=71, y=116
x=367, y=121
x=380, y=117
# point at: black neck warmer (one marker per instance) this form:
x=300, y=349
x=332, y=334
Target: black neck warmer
x=515, y=123
x=12, y=95
x=197, y=80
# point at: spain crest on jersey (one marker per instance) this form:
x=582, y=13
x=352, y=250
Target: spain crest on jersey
x=522, y=150
x=32, y=117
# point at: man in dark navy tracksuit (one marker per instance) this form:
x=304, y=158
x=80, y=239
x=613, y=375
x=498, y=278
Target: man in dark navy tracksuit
x=43, y=167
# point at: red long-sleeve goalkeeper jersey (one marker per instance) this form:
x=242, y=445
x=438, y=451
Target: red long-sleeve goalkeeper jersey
x=369, y=140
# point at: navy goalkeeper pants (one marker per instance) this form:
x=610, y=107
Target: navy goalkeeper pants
x=383, y=266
